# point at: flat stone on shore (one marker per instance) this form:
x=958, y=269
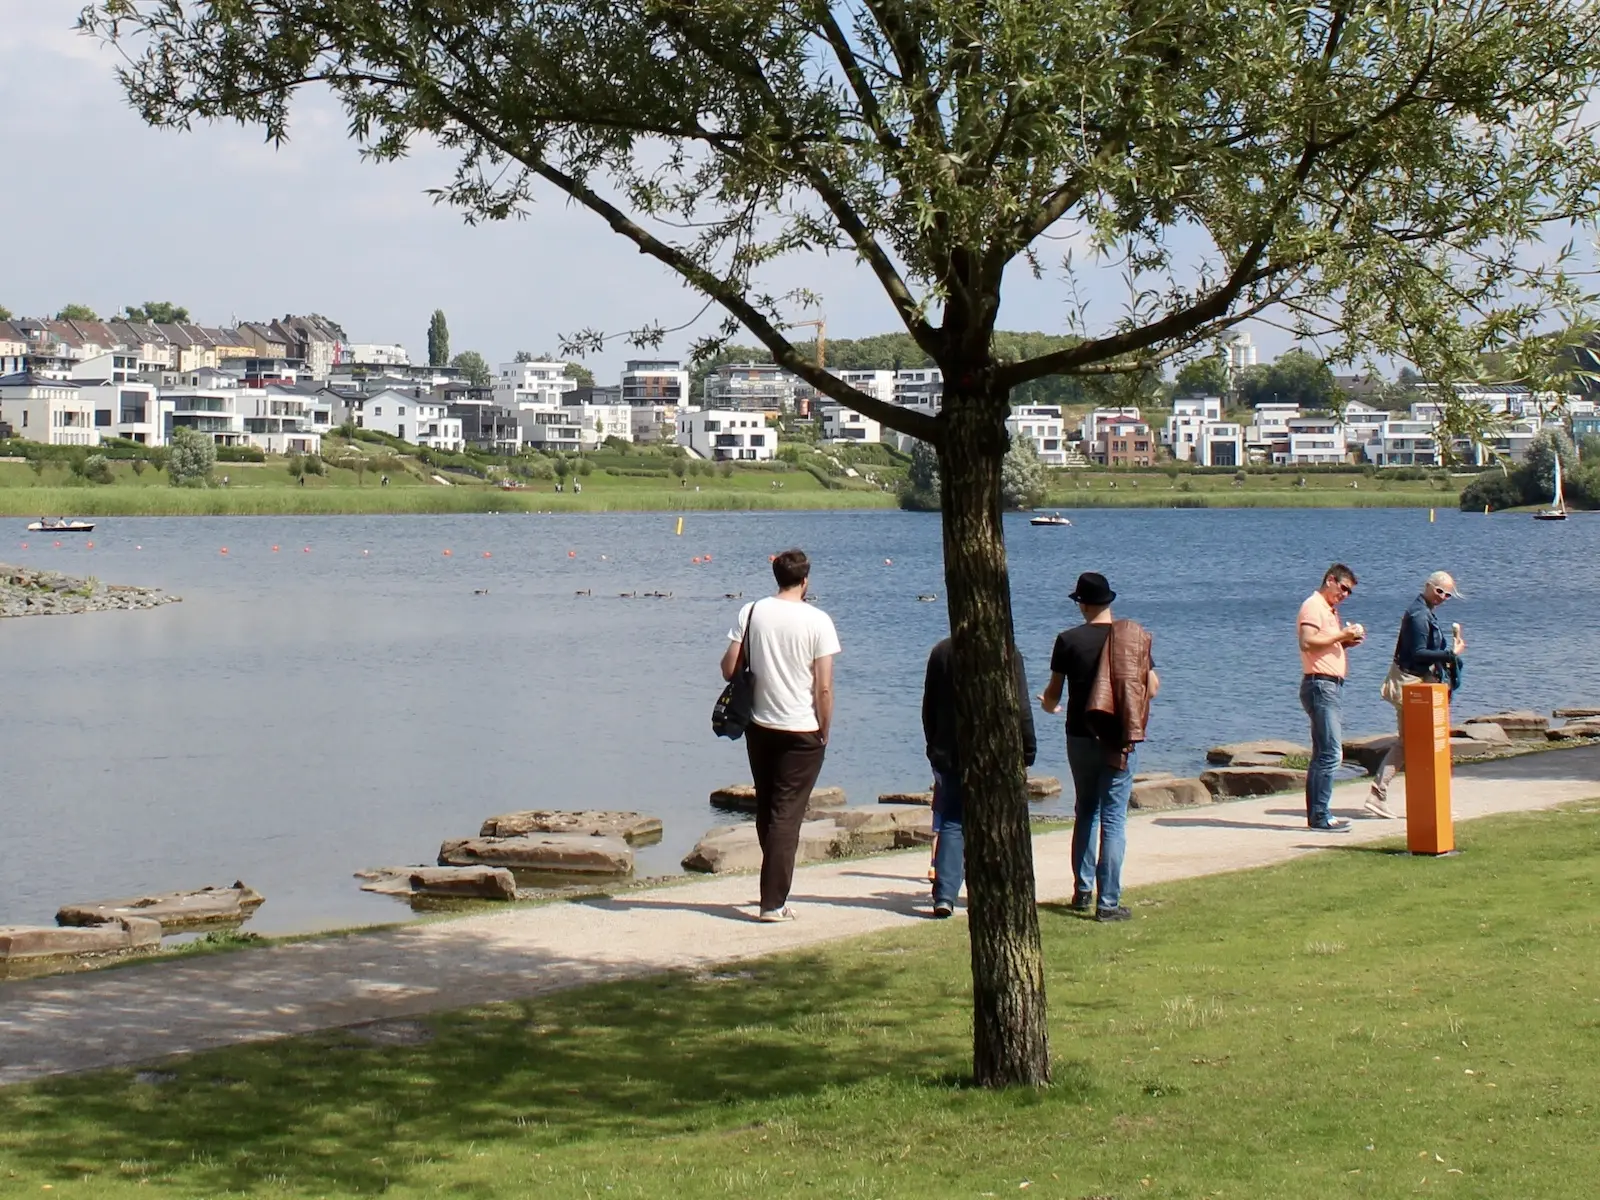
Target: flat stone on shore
x=118, y=936
x=1042, y=787
x=924, y=799
x=1154, y=795
x=1368, y=750
x=172, y=910
x=1568, y=714
x=476, y=882
x=563, y=853
x=1573, y=731
x=1485, y=731
x=1521, y=724
x=1274, y=748
x=631, y=827
x=1228, y=783
x=727, y=848
x=741, y=797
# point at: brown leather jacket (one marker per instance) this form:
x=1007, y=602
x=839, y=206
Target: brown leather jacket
x=1119, y=701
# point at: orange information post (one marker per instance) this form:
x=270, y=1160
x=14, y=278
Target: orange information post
x=1425, y=730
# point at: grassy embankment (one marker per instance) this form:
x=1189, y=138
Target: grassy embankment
x=1259, y=489
x=1356, y=1024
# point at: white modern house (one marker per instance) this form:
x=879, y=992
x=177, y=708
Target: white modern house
x=544, y=384
x=920, y=388
x=1403, y=443
x=1272, y=419
x=841, y=424
x=1361, y=421
x=421, y=419
x=750, y=387
x=53, y=411
x=277, y=418
x=880, y=385
x=136, y=410
x=550, y=428
x=1314, y=440
x=372, y=354
x=598, y=422
x=1041, y=424
x=1197, y=433
x=723, y=435
x=206, y=400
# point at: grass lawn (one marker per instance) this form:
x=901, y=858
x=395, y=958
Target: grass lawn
x=1358, y=1024
x=1280, y=489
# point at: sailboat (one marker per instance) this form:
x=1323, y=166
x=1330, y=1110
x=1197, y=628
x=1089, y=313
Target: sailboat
x=1558, y=507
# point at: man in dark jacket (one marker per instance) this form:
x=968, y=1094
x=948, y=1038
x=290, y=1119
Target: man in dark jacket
x=939, y=731
x=1423, y=653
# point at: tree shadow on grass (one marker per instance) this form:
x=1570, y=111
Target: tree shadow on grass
x=334, y=1112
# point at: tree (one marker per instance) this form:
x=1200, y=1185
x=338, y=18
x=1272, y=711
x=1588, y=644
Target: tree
x=1206, y=376
x=921, y=491
x=76, y=312
x=438, y=339
x=1295, y=377
x=1540, y=461
x=97, y=469
x=190, y=458
x=470, y=363
x=1378, y=178
x=5, y=313
x=157, y=312
x=1022, y=475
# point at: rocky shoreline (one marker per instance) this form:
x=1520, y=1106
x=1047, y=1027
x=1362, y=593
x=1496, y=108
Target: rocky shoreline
x=28, y=592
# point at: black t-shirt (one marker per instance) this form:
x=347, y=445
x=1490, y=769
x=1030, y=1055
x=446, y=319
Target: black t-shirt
x=1077, y=657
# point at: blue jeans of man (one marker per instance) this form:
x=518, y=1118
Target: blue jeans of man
x=1321, y=697
x=949, y=853
x=1100, y=827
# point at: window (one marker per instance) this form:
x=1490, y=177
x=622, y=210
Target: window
x=102, y=417
x=377, y=410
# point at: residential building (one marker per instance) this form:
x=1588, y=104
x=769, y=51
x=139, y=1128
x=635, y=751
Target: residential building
x=13, y=345
x=119, y=366
x=880, y=385
x=919, y=388
x=750, y=387
x=411, y=415
x=1361, y=421
x=539, y=383
x=1400, y=442
x=1124, y=444
x=206, y=400
x=1092, y=429
x=652, y=382
x=315, y=341
x=1314, y=440
x=597, y=422
x=44, y=409
x=724, y=435
x=1272, y=419
x=1586, y=426
x=484, y=424
x=374, y=354
x=1220, y=444
x=277, y=417
x=131, y=409
x=841, y=424
x=549, y=428
x=1041, y=424
x=1207, y=407
x=264, y=340
x=656, y=422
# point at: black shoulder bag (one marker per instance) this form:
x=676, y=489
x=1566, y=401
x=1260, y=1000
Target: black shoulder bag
x=731, y=714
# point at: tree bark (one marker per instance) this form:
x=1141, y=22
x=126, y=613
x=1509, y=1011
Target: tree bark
x=1009, y=1033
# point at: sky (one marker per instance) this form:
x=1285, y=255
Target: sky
x=108, y=212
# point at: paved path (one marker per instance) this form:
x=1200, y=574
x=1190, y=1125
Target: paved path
x=138, y=1013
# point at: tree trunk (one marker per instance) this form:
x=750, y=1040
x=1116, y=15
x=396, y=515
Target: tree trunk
x=1010, y=1038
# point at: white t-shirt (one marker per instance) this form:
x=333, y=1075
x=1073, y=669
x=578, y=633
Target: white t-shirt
x=786, y=639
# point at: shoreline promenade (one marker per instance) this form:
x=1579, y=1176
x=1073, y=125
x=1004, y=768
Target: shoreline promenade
x=144, y=1012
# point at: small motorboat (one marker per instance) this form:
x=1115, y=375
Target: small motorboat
x=1558, y=507
x=1049, y=518
x=46, y=526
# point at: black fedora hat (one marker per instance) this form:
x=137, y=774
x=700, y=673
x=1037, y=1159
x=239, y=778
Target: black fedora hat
x=1092, y=589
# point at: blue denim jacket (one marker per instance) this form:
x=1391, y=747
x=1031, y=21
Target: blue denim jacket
x=1424, y=649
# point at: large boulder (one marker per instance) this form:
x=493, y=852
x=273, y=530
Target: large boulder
x=1485, y=731
x=1232, y=783
x=1155, y=795
x=741, y=797
x=869, y=828
x=558, y=853
x=117, y=936
x=1042, y=787
x=477, y=882
x=1274, y=748
x=1368, y=750
x=1521, y=724
x=631, y=827
x=171, y=910
x=1568, y=714
x=727, y=848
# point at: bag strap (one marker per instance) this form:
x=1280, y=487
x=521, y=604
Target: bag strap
x=744, y=642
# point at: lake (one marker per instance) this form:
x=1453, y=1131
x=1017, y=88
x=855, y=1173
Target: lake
x=333, y=694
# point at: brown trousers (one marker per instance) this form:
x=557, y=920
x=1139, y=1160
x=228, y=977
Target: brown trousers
x=784, y=767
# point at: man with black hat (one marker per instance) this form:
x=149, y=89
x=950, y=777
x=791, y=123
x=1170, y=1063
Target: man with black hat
x=1102, y=784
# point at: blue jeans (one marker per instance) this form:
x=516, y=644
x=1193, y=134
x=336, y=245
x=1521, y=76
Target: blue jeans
x=949, y=854
x=1320, y=698
x=1100, y=830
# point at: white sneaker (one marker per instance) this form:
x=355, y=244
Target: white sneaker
x=1334, y=825
x=774, y=915
x=1377, y=806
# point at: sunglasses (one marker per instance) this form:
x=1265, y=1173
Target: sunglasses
x=1345, y=588
x=1442, y=593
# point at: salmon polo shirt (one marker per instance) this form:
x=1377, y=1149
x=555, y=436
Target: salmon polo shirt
x=1328, y=660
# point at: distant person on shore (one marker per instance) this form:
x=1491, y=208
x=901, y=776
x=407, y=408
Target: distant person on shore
x=939, y=734
x=1323, y=639
x=792, y=646
x=1108, y=672
x=1423, y=653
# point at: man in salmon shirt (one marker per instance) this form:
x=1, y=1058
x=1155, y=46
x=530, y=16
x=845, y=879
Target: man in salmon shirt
x=1322, y=644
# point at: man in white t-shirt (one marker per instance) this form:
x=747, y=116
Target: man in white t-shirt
x=792, y=645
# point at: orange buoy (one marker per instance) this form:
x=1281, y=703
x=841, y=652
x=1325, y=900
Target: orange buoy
x=707, y=557
x=58, y=545
x=888, y=562
x=486, y=554
x=90, y=546
x=274, y=549
x=305, y=549
x=572, y=554
x=772, y=558
x=24, y=545
x=447, y=554
x=224, y=550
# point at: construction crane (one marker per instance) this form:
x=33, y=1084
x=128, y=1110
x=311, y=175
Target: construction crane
x=821, y=326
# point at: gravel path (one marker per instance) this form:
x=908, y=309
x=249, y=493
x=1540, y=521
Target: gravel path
x=139, y=1013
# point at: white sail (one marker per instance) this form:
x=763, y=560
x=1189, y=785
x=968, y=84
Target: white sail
x=1560, y=503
